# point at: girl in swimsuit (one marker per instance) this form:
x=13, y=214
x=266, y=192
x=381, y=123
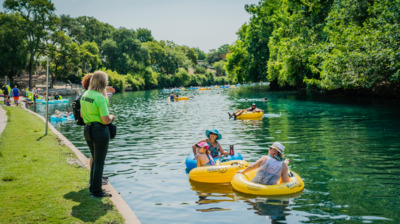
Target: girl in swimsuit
x=203, y=156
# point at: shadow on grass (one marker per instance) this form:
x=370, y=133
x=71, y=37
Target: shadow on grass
x=89, y=209
x=40, y=138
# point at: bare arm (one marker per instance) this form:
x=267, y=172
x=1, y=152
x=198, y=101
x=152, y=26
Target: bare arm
x=107, y=119
x=198, y=162
x=254, y=165
x=221, y=150
x=284, y=174
x=194, y=150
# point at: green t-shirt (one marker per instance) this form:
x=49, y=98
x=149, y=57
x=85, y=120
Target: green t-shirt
x=93, y=106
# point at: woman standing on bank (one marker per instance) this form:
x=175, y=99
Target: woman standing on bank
x=94, y=109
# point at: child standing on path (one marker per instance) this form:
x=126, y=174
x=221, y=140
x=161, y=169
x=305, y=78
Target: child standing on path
x=15, y=93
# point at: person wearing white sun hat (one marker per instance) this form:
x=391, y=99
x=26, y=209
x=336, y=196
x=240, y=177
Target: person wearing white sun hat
x=271, y=167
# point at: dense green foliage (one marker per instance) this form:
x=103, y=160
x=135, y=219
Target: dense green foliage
x=12, y=45
x=31, y=32
x=334, y=44
x=37, y=19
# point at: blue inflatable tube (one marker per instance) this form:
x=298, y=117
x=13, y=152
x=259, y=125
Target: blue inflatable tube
x=54, y=118
x=192, y=163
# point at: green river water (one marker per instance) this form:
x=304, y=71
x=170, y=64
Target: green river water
x=347, y=150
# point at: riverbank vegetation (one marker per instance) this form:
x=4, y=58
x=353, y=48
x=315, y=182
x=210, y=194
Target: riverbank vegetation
x=30, y=32
x=327, y=45
x=41, y=181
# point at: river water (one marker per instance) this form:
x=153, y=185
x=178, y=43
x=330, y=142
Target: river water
x=347, y=150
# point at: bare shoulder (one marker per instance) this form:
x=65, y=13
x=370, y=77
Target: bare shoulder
x=263, y=159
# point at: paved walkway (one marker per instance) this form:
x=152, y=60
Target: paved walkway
x=119, y=203
x=3, y=119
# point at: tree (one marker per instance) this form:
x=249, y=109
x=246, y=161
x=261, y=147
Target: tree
x=201, y=55
x=219, y=67
x=144, y=35
x=38, y=16
x=222, y=51
x=12, y=45
x=212, y=56
x=190, y=54
x=63, y=55
x=89, y=56
x=237, y=62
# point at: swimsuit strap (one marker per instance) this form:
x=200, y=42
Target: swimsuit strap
x=211, y=160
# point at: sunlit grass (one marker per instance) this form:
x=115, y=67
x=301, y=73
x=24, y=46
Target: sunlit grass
x=37, y=184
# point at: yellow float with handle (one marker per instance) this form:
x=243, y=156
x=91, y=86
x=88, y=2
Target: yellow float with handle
x=221, y=173
x=182, y=98
x=242, y=183
x=251, y=115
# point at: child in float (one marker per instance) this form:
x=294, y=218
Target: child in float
x=172, y=96
x=68, y=113
x=203, y=156
x=59, y=114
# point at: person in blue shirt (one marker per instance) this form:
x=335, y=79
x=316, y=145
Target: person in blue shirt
x=172, y=96
x=15, y=93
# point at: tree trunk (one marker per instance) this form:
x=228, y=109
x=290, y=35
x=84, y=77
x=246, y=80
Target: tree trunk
x=52, y=81
x=30, y=71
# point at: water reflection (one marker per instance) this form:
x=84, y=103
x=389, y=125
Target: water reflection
x=211, y=196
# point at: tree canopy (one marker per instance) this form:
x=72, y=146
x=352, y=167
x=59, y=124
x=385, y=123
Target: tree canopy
x=334, y=44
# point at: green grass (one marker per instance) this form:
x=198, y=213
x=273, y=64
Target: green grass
x=37, y=184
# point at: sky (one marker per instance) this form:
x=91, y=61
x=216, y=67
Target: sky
x=207, y=24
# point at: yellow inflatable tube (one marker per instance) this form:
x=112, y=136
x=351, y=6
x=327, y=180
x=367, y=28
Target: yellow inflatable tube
x=250, y=115
x=182, y=98
x=217, y=174
x=242, y=183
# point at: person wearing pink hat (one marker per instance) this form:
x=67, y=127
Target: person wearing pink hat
x=271, y=168
x=203, y=156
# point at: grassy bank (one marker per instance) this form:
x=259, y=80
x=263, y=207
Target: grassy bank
x=38, y=184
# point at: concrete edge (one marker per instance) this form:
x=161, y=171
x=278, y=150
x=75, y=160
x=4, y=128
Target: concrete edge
x=122, y=207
